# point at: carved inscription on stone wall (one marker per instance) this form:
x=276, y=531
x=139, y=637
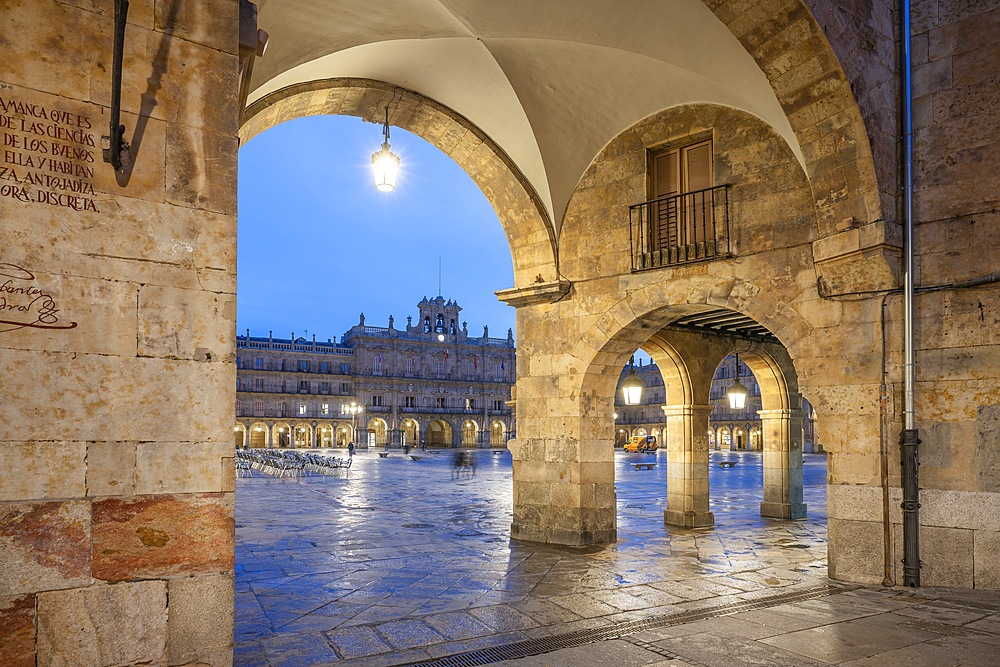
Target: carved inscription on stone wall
x=23, y=304
x=47, y=155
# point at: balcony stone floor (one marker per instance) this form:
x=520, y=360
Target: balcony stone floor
x=400, y=563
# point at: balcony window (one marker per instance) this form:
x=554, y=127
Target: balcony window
x=687, y=216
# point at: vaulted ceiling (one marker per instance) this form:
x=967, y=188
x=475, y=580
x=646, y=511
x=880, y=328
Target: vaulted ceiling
x=551, y=82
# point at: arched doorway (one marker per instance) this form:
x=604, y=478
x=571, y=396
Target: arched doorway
x=343, y=434
x=258, y=436
x=498, y=434
x=377, y=432
x=410, y=432
x=324, y=436
x=303, y=436
x=439, y=434
x=470, y=433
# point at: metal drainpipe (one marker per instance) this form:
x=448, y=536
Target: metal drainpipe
x=908, y=440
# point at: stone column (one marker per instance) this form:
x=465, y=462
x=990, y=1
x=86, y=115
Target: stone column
x=564, y=491
x=687, y=466
x=781, y=431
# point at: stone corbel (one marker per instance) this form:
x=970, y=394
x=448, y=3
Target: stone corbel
x=538, y=292
x=253, y=44
x=859, y=258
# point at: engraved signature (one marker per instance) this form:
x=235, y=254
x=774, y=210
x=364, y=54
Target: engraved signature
x=23, y=305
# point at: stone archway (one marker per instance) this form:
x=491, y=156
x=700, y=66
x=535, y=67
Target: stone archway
x=439, y=434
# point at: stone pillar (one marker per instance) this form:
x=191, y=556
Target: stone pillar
x=687, y=466
x=564, y=491
x=782, y=434
x=120, y=300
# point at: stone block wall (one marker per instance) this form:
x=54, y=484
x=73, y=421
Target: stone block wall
x=571, y=351
x=117, y=336
x=956, y=88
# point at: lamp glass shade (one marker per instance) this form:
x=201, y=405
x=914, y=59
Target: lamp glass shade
x=385, y=165
x=632, y=388
x=737, y=394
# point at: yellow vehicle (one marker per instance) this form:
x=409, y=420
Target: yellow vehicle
x=641, y=443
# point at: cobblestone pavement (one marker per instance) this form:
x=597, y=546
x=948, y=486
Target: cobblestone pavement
x=399, y=563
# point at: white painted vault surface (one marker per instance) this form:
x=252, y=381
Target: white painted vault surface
x=551, y=82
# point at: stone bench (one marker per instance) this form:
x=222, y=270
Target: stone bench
x=727, y=464
x=415, y=458
x=383, y=455
x=640, y=466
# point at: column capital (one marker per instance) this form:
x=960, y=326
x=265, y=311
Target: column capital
x=687, y=410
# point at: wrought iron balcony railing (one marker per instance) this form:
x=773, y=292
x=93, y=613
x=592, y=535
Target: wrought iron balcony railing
x=679, y=229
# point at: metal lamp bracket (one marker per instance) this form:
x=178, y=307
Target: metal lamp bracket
x=115, y=148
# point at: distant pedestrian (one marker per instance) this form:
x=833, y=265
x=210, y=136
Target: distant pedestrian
x=350, y=449
x=406, y=448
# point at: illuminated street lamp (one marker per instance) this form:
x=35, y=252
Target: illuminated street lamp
x=632, y=386
x=385, y=163
x=353, y=409
x=737, y=393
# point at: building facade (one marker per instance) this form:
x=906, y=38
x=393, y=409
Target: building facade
x=430, y=383
x=728, y=428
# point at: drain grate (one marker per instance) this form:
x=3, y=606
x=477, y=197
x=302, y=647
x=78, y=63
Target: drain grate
x=531, y=647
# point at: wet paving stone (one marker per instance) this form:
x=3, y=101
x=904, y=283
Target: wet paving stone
x=399, y=559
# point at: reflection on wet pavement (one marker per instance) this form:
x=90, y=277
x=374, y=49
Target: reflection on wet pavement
x=398, y=562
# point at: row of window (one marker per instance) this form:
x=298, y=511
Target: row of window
x=303, y=365
x=279, y=386
x=440, y=367
x=260, y=409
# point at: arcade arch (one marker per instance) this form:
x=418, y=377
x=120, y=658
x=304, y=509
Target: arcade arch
x=470, y=433
x=410, y=432
x=498, y=434
x=259, y=436
x=379, y=430
x=324, y=435
x=343, y=434
x=303, y=435
x=575, y=292
x=439, y=434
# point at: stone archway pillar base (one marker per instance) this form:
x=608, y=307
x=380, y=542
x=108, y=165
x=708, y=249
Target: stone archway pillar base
x=687, y=466
x=560, y=501
x=782, y=435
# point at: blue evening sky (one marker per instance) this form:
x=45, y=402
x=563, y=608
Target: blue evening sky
x=318, y=244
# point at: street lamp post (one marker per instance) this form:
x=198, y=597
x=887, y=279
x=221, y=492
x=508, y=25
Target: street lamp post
x=353, y=409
